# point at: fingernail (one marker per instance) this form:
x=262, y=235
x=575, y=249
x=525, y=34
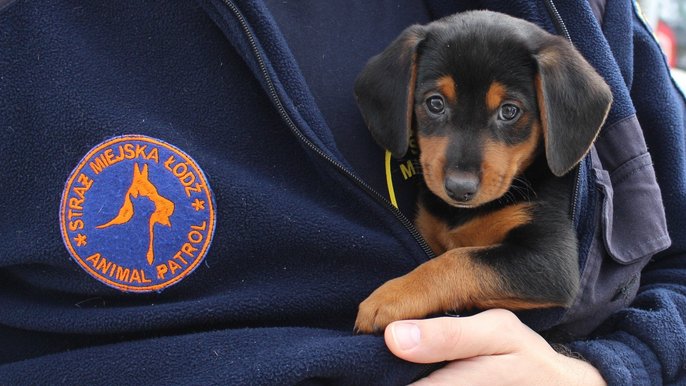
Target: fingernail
x=406, y=335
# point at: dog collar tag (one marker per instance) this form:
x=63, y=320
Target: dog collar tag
x=137, y=214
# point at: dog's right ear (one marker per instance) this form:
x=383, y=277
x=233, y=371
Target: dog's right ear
x=385, y=91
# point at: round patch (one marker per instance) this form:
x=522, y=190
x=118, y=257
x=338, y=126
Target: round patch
x=137, y=214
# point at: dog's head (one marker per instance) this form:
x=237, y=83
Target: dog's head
x=484, y=92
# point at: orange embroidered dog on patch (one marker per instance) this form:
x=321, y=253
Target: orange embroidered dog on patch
x=142, y=186
x=137, y=214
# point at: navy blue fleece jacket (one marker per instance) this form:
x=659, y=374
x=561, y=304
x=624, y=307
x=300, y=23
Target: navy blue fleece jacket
x=191, y=195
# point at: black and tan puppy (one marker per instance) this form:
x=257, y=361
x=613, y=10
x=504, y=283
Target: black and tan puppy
x=502, y=111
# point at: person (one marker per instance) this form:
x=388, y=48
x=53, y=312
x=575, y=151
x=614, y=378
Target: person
x=192, y=198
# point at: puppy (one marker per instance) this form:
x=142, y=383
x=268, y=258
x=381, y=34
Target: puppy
x=501, y=111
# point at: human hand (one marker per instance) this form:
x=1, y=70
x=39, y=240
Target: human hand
x=490, y=348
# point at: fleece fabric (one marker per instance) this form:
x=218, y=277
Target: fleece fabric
x=304, y=225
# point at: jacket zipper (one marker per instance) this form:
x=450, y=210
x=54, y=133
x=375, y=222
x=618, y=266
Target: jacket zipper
x=276, y=100
x=557, y=19
x=562, y=29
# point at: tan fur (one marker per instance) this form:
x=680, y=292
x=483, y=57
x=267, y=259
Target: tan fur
x=410, y=91
x=432, y=159
x=495, y=95
x=489, y=229
x=502, y=163
x=453, y=280
x=538, y=85
x=433, y=230
x=446, y=85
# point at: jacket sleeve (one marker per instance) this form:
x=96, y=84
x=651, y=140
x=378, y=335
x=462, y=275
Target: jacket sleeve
x=644, y=343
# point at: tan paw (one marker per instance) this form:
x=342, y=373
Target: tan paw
x=397, y=299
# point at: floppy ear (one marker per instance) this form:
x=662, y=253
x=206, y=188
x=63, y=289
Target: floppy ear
x=573, y=101
x=385, y=91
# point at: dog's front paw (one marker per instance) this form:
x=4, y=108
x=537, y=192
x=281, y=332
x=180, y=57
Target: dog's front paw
x=395, y=300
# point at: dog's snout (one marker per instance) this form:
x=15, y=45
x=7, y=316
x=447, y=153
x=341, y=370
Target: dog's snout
x=461, y=186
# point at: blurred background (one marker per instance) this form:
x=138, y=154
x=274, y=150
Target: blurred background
x=668, y=21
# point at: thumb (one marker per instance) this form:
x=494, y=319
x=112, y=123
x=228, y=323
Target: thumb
x=490, y=332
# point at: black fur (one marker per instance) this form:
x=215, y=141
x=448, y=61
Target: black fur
x=575, y=97
x=559, y=94
x=539, y=260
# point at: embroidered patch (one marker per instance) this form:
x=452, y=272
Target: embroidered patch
x=137, y=214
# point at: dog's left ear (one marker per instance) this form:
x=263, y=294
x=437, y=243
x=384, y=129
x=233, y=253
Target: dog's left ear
x=573, y=101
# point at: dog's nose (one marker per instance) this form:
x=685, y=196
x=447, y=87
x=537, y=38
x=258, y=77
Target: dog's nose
x=461, y=186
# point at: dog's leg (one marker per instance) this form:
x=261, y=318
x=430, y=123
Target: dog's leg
x=500, y=276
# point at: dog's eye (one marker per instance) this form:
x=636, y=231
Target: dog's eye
x=508, y=112
x=435, y=104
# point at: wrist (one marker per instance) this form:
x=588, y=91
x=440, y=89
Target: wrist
x=574, y=371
